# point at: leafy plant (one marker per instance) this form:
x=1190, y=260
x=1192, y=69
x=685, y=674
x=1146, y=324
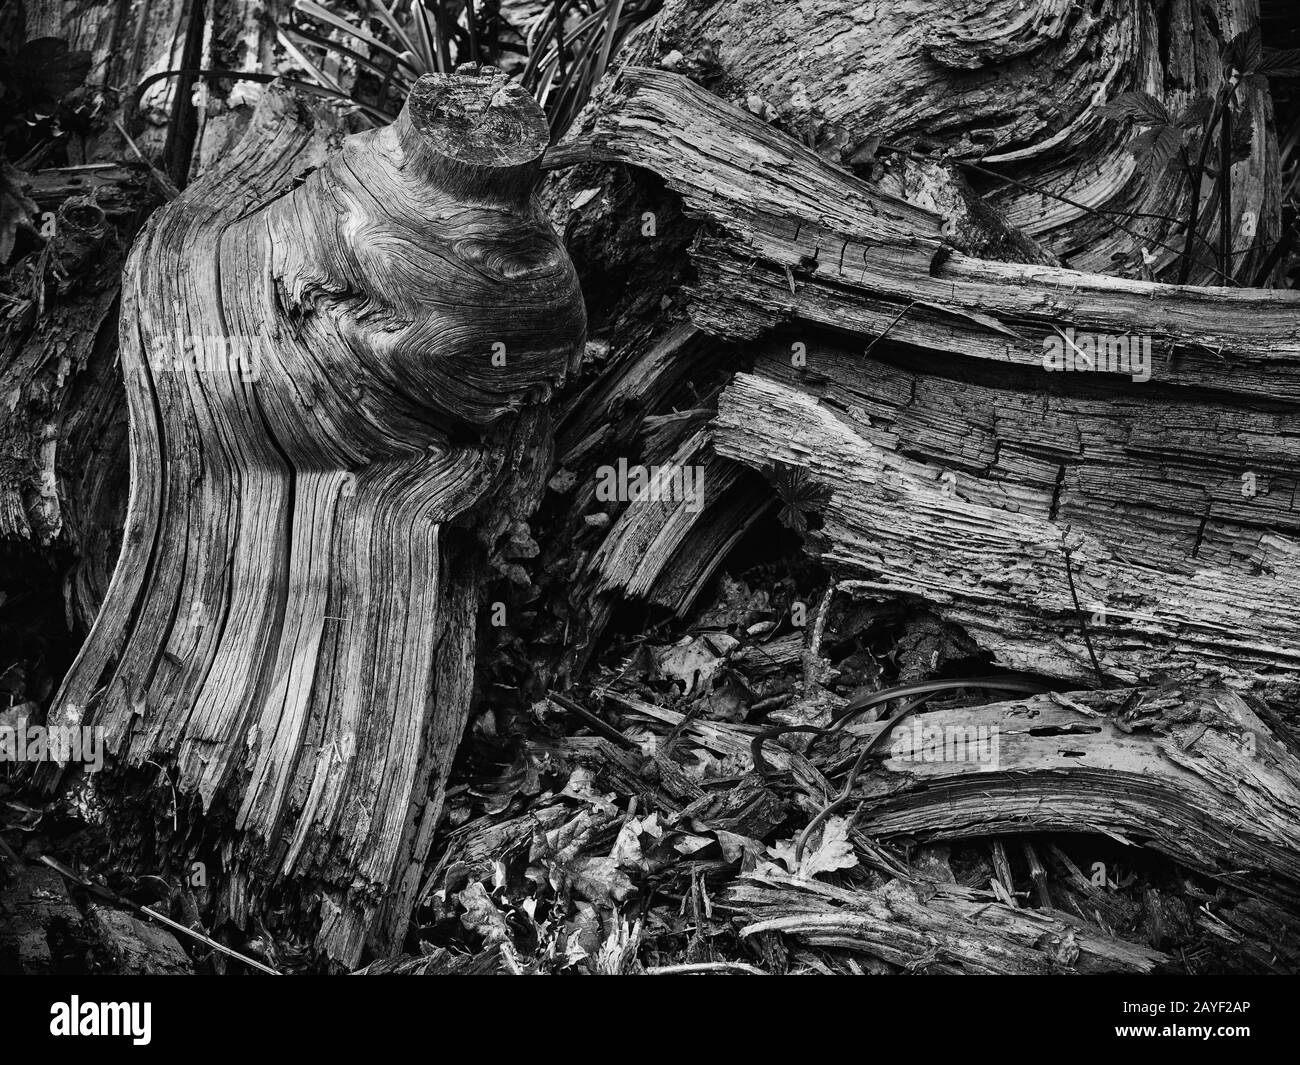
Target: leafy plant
x=561, y=52
x=799, y=494
x=1169, y=141
x=37, y=80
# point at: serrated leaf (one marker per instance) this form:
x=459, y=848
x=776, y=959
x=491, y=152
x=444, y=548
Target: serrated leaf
x=1156, y=147
x=1280, y=63
x=1194, y=115
x=1139, y=106
x=798, y=493
x=1244, y=53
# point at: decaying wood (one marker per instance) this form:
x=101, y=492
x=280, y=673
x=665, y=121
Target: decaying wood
x=1011, y=87
x=935, y=928
x=335, y=354
x=1193, y=775
x=64, y=481
x=1014, y=90
x=962, y=474
x=290, y=633
x=1004, y=572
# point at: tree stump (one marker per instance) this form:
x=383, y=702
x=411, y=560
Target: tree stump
x=337, y=353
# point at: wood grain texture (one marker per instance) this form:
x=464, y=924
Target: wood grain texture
x=794, y=238
x=961, y=469
x=891, y=529
x=290, y=628
x=934, y=929
x=1011, y=85
x=1191, y=773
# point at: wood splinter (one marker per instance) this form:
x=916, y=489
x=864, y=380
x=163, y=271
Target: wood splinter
x=337, y=353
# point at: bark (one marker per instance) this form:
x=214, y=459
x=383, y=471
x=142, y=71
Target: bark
x=331, y=424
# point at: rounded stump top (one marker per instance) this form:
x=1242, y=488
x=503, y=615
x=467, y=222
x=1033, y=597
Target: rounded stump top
x=478, y=117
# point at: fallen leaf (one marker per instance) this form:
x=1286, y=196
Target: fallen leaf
x=482, y=917
x=833, y=851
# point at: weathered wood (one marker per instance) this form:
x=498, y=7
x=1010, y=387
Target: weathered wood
x=335, y=355
x=1004, y=572
x=962, y=471
x=64, y=483
x=794, y=238
x=1192, y=774
x=1010, y=86
x=793, y=251
x=939, y=929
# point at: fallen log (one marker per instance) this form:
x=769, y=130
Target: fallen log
x=336, y=353
x=1194, y=775
x=1010, y=89
x=941, y=929
x=793, y=238
x=1151, y=516
x=1191, y=774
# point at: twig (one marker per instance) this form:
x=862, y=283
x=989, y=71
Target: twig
x=592, y=721
x=706, y=967
x=1083, y=625
x=164, y=183
x=898, y=318
x=847, y=791
x=864, y=703
x=117, y=900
